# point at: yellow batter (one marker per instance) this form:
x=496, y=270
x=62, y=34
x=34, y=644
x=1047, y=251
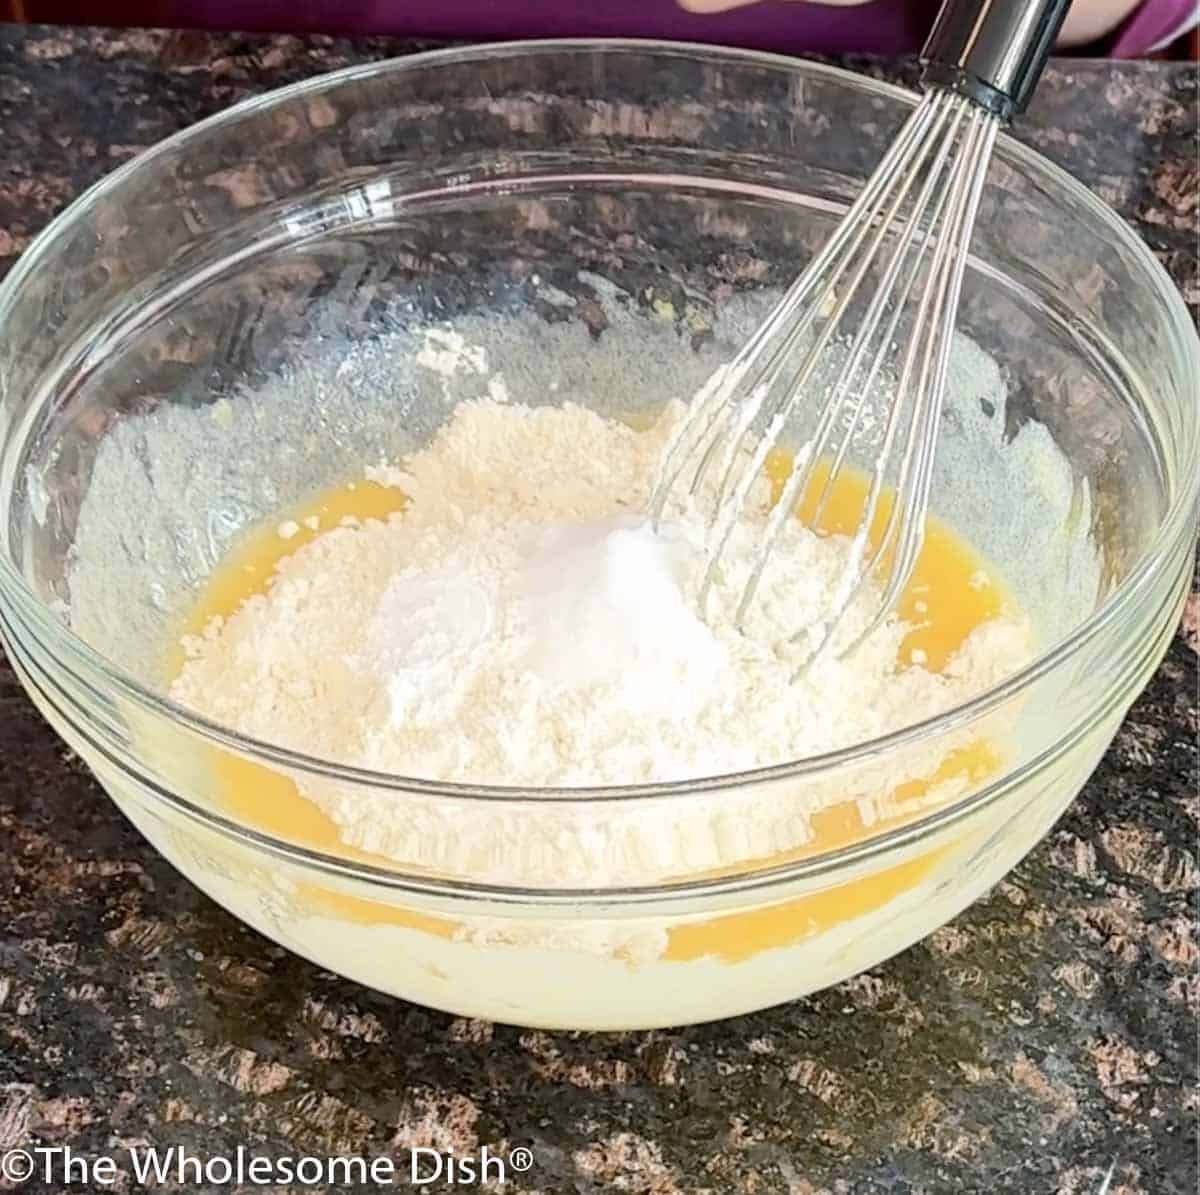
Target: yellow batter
x=951, y=593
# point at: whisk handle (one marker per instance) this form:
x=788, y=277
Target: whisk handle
x=992, y=51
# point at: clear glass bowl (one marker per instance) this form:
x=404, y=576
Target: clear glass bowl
x=220, y=326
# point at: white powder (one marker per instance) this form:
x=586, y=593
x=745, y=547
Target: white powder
x=517, y=624
x=605, y=608
x=446, y=352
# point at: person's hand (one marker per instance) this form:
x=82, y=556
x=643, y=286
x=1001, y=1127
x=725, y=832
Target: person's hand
x=1088, y=20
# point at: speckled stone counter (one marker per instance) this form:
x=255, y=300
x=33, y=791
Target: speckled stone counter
x=1043, y=1042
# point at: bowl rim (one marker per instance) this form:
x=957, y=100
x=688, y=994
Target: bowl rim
x=1124, y=595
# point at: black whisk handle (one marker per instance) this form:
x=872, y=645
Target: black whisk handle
x=992, y=51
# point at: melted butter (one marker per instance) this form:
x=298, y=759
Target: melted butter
x=951, y=593
x=951, y=590
x=738, y=936
x=270, y=801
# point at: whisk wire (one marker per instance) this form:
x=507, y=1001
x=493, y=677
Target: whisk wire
x=883, y=296
x=717, y=397
x=767, y=377
x=901, y=537
x=804, y=467
x=909, y=228
x=911, y=501
x=878, y=220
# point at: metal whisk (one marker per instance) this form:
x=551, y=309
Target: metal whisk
x=908, y=232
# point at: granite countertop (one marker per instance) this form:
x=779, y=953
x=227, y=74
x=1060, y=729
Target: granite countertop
x=1043, y=1042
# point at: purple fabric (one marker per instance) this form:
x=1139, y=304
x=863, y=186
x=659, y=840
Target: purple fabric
x=1155, y=23
x=879, y=27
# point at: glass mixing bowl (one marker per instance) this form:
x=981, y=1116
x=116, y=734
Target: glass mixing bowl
x=232, y=320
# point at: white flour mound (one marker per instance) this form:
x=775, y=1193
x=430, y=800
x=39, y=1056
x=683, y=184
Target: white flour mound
x=519, y=624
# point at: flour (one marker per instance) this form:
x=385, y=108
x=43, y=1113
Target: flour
x=517, y=624
x=446, y=352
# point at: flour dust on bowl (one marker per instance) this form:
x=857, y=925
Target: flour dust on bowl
x=327, y=429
